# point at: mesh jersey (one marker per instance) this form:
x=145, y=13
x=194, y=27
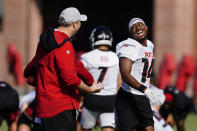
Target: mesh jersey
x=103, y=65
x=159, y=122
x=142, y=58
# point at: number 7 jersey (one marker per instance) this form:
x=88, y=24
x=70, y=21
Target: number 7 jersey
x=142, y=58
x=103, y=65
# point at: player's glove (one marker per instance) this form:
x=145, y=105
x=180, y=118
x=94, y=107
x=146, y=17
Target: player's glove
x=154, y=96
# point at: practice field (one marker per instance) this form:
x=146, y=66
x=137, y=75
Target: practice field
x=191, y=124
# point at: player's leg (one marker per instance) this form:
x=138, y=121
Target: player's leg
x=125, y=118
x=25, y=122
x=13, y=125
x=78, y=126
x=107, y=129
x=119, y=130
x=11, y=119
x=149, y=128
x=143, y=112
x=107, y=121
x=88, y=119
x=24, y=127
x=180, y=125
x=179, y=118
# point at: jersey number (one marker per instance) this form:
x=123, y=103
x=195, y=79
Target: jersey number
x=102, y=75
x=146, y=72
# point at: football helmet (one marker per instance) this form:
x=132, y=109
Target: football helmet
x=4, y=84
x=101, y=35
x=171, y=89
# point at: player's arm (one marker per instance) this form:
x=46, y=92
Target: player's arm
x=125, y=65
x=125, y=69
x=127, y=54
x=119, y=81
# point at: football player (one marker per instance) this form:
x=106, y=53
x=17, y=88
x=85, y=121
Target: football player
x=103, y=65
x=177, y=104
x=132, y=106
x=159, y=122
x=9, y=101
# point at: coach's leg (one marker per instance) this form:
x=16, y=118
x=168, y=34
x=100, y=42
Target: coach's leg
x=64, y=121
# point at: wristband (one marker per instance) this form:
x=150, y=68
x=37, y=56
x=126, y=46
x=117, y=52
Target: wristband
x=141, y=88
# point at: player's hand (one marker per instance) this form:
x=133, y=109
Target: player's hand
x=154, y=96
x=97, y=87
x=170, y=120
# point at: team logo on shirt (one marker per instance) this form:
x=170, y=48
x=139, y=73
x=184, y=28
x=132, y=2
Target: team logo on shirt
x=67, y=52
x=104, y=58
x=149, y=55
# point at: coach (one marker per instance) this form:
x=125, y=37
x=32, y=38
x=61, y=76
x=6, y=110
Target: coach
x=56, y=75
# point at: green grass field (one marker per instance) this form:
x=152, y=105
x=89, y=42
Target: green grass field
x=191, y=124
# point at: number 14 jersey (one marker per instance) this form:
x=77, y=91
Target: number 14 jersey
x=142, y=61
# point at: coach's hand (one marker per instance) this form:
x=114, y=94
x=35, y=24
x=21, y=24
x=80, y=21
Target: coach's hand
x=97, y=87
x=154, y=96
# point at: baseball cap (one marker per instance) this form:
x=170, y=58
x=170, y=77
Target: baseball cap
x=134, y=21
x=72, y=14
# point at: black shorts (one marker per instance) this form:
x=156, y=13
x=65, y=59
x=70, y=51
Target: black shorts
x=100, y=103
x=64, y=121
x=23, y=119
x=132, y=111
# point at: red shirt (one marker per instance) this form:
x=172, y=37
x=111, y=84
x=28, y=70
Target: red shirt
x=57, y=78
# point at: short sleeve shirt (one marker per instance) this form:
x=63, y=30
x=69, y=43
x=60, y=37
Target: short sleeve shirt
x=103, y=65
x=142, y=58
